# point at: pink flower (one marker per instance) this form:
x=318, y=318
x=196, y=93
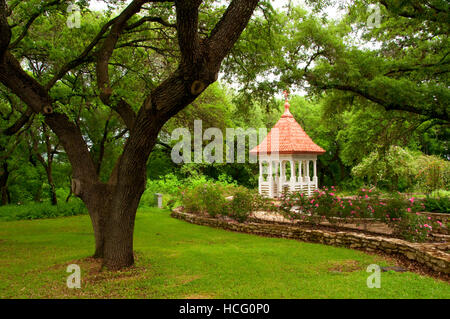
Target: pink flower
x=366, y=196
x=332, y=194
x=317, y=205
x=409, y=210
x=411, y=200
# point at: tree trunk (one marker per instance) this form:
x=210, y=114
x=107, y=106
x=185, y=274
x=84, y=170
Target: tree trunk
x=113, y=224
x=48, y=170
x=118, y=244
x=68, y=196
x=5, y=196
x=4, y=185
x=98, y=221
x=119, y=227
x=97, y=198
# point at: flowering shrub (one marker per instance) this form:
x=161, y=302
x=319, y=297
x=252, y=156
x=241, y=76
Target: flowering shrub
x=245, y=202
x=414, y=227
x=207, y=198
x=172, y=188
x=366, y=206
x=211, y=199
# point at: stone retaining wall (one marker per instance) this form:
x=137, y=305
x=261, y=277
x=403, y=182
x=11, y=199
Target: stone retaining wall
x=433, y=256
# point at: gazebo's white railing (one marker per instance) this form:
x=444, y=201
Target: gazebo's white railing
x=271, y=189
x=276, y=182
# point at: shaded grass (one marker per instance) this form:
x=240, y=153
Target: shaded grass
x=175, y=259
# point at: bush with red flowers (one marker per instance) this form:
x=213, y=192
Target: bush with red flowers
x=366, y=207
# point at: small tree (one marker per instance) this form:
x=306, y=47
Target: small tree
x=397, y=163
x=433, y=173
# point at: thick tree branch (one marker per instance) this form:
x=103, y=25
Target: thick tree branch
x=187, y=27
x=150, y=19
x=24, y=86
x=229, y=28
x=37, y=98
x=83, y=57
x=107, y=48
x=5, y=32
x=388, y=105
x=21, y=121
x=126, y=113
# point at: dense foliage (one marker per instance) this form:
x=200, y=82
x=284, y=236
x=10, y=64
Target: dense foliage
x=41, y=210
x=215, y=199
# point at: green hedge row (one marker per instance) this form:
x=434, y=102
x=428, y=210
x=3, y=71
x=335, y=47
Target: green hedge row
x=42, y=210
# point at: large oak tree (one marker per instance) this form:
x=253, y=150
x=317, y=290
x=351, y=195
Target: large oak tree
x=112, y=204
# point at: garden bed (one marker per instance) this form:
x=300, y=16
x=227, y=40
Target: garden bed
x=433, y=256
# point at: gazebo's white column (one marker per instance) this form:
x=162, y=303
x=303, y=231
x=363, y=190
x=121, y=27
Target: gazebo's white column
x=270, y=179
x=315, y=180
x=261, y=176
x=293, y=179
x=276, y=179
x=293, y=176
x=300, y=177
x=308, y=178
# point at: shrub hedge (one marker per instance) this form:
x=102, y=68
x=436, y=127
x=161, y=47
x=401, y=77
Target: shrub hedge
x=42, y=210
x=216, y=199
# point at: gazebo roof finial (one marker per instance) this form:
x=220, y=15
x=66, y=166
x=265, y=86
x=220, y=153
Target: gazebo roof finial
x=286, y=100
x=286, y=95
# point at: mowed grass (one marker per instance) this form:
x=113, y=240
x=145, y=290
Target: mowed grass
x=176, y=259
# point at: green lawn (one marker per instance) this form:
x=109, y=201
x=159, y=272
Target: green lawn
x=176, y=259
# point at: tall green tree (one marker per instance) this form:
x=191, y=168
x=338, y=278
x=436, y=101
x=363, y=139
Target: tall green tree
x=143, y=30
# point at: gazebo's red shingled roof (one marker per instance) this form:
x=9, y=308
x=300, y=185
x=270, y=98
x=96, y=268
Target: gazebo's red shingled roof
x=292, y=138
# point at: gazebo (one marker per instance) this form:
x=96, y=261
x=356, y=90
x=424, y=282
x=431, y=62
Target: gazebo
x=287, y=142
